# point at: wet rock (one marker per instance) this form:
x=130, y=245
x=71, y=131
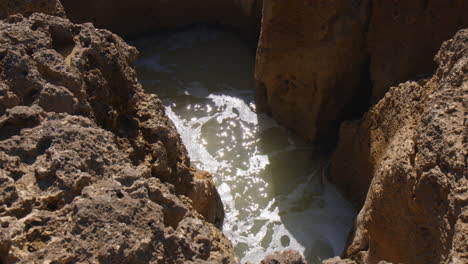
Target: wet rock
x=27, y=7
x=206, y=198
x=411, y=149
x=133, y=18
x=286, y=257
x=91, y=168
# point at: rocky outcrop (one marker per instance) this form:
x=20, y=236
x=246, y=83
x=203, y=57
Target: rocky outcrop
x=286, y=257
x=310, y=57
x=91, y=168
x=404, y=36
x=321, y=62
x=411, y=150
x=27, y=7
x=338, y=260
x=137, y=17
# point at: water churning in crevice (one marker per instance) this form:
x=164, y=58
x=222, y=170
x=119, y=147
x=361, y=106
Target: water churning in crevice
x=271, y=182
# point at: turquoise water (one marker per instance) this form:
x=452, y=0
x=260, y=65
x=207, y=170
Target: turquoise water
x=271, y=182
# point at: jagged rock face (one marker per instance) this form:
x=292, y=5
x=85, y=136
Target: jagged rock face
x=338, y=260
x=137, y=17
x=404, y=36
x=310, y=57
x=411, y=150
x=27, y=7
x=320, y=62
x=91, y=168
x=286, y=257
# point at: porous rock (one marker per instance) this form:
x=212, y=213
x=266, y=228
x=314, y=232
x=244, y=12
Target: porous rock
x=286, y=257
x=27, y=7
x=410, y=151
x=321, y=62
x=404, y=36
x=91, y=168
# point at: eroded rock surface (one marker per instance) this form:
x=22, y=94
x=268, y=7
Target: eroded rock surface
x=310, y=57
x=404, y=36
x=411, y=150
x=137, y=17
x=321, y=62
x=286, y=257
x=91, y=168
x=27, y=7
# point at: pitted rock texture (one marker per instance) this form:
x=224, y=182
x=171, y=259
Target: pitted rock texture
x=411, y=150
x=286, y=257
x=27, y=7
x=338, y=260
x=137, y=17
x=322, y=62
x=91, y=168
x=404, y=36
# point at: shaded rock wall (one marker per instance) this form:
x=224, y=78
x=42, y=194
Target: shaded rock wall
x=310, y=58
x=411, y=149
x=91, y=168
x=404, y=36
x=137, y=17
x=26, y=8
x=320, y=62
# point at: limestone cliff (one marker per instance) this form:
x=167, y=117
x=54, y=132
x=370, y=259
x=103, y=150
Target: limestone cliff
x=91, y=168
x=137, y=17
x=26, y=8
x=411, y=150
x=310, y=58
x=404, y=36
x=321, y=62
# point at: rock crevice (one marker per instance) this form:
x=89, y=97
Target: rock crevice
x=322, y=62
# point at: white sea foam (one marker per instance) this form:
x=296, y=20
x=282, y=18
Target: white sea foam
x=273, y=190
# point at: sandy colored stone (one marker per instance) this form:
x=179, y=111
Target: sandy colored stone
x=411, y=150
x=310, y=60
x=91, y=168
x=322, y=62
x=285, y=257
x=27, y=7
x=338, y=260
x=404, y=36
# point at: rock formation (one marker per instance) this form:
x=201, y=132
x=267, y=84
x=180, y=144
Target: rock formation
x=310, y=57
x=26, y=8
x=91, y=168
x=411, y=150
x=286, y=257
x=137, y=17
x=404, y=36
x=320, y=62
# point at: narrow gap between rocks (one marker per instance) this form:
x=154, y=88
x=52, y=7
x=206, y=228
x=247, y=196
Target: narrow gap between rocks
x=271, y=182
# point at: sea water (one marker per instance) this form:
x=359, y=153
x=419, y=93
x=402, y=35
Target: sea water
x=271, y=182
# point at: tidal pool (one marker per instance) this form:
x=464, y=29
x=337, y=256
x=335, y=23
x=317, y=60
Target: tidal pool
x=271, y=182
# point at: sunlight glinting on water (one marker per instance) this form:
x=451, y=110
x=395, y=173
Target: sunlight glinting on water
x=272, y=185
